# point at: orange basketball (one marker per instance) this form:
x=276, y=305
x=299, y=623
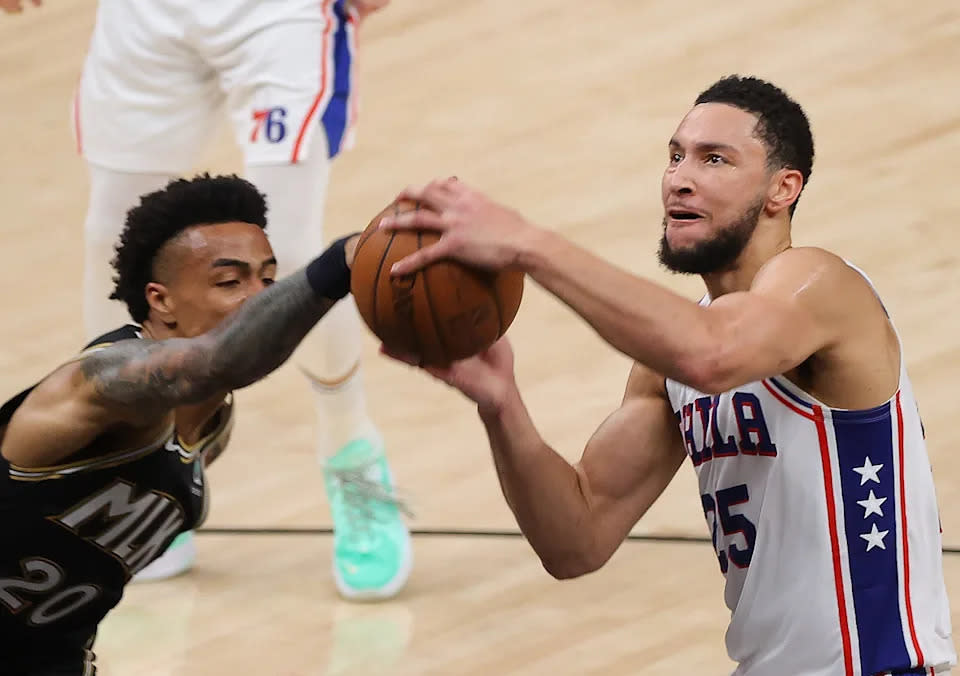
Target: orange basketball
x=442, y=313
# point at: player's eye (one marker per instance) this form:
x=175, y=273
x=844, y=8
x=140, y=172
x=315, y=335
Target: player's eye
x=713, y=158
x=228, y=283
x=675, y=158
x=267, y=281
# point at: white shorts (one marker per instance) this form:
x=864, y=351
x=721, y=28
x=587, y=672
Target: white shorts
x=158, y=72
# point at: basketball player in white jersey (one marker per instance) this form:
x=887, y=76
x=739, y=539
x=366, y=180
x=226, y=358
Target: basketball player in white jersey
x=785, y=387
x=152, y=87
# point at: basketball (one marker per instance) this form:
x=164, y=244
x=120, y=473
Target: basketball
x=441, y=313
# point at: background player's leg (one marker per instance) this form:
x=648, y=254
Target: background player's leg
x=330, y=355
x=372, y=555
x=287, y=118
x=144, y=104
x=111, y=195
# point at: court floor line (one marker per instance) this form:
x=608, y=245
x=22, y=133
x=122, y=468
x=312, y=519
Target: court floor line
x=446, y=532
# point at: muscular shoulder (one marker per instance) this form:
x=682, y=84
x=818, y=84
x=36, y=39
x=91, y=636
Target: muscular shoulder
x=809, y=264
x=820, y=281
x=842, y=302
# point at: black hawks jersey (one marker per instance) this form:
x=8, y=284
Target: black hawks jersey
x=74, y=534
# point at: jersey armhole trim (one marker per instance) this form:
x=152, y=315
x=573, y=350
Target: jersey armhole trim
x=112, y=459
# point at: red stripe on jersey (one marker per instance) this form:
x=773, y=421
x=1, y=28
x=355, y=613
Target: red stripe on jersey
x=903, y=531
x=786, y=403
x=834, y=538
x=76, y=115
x=352, y=37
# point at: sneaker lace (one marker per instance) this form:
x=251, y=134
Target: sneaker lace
x=363, y=499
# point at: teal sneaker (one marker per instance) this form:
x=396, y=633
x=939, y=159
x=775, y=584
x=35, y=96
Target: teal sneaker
x=372, y=555
x=178, y=558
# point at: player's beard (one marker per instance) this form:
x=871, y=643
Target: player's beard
x=715, y=254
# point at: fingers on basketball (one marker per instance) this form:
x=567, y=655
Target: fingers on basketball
x=444, y=312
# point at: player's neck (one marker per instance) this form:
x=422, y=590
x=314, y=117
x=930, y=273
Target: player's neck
x=156, y=330
x=768, y=240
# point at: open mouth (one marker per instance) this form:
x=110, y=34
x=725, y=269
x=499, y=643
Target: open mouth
x=680, y=215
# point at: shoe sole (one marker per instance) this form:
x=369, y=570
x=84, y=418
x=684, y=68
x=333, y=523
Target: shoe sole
x=389, y=590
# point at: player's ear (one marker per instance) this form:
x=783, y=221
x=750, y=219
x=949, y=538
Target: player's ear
x=785, y=187
x=161, y=302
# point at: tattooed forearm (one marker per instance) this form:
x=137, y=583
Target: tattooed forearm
x=254, y=341
x=266, y=331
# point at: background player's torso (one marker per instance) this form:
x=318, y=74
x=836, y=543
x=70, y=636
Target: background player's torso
x=480, y=82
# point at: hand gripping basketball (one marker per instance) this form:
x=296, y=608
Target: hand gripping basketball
x=442, y=313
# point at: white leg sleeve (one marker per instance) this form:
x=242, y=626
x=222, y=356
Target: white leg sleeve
x=112, y=194
x=330, y=354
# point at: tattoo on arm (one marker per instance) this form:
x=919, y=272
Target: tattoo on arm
x=149, y=375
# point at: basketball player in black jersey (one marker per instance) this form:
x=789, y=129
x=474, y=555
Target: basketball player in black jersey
x=101, y=462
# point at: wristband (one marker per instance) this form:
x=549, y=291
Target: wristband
x=328, y=274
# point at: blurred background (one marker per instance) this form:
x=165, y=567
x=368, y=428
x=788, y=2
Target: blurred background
x=562, y=110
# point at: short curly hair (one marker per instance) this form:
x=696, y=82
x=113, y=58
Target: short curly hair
x=781, y=123
x=164, y=214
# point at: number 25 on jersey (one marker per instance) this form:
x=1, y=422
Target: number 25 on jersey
x=731, y=524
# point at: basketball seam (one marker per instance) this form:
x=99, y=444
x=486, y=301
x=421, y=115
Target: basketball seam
x=360, y=242
x=416, y=334
x=376, y=284
x=426, y=292
x=496, y=304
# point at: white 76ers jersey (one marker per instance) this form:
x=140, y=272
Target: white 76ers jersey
x=826, y=528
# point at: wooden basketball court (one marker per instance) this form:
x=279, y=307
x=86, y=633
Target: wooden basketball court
x=562, y=109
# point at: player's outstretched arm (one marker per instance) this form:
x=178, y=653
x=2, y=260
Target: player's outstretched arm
x=144, y=376
x=576, y=516
x=802, y=301
x=138, y=381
